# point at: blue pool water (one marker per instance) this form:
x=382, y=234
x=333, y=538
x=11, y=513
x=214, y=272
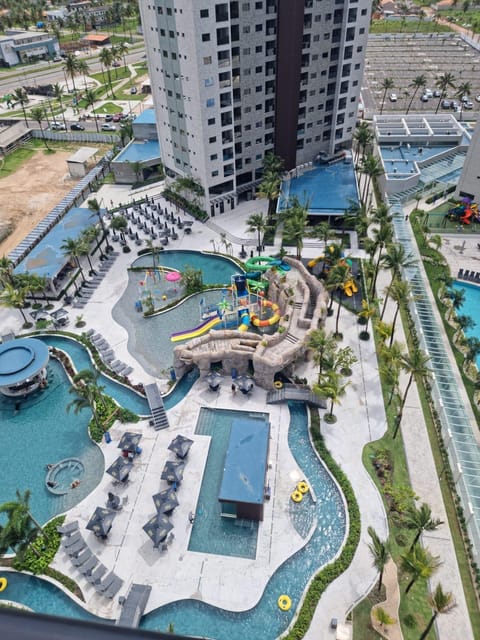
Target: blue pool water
x=42, y=432
x=140, y=151
x=149, y=338
x=470, y=308
x=412, y=151
x=265, y=620
x=210, y=532
x=327, y=189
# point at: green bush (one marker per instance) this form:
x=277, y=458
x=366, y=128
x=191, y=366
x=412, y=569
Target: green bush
x=42, y=550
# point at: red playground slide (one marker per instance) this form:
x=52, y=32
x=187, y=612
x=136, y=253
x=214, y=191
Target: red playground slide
x=466, y=216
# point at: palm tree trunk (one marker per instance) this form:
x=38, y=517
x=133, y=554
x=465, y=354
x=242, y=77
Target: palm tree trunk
x=380, y=581
x=394, y=323
x=415, y=540
x=404, y=399
x=387, y=295
x=338, y=313
x=429, y=626
x=410, y=585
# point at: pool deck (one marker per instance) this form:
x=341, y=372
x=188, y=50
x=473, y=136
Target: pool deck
x=236, y=583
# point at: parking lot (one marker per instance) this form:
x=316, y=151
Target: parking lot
x=402, y=57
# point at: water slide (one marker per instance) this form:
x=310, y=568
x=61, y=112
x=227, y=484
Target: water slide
x=315, y=261
x=197, y=331
x=244, y=316
x=350, y=288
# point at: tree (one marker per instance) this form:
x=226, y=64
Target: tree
x=14, y=297
x=382, y=236
x=415, y=364
x=400, y=291
x=419, y=82
x=381, y=214
x=58, y=93
x=272, y=163
x=21, y=528
x=371, y=167
x=96, y=210
x=395, y=259
x=419, y=563
x=87, y=392
x=192, y=280
x=122, y=49
x=256, y=223
x=445, y=82
x=383, y=617
x=441, y=602
x=457, y=297
x=72, y=249
x=322, y=344
x=70, y=67
x=338, y=277
x=37, y=114
x=386, y=85
x=369, y=310
x=420, y=520
x=6, y=270
x=106, y=60
x=295, y=224
x=333, y=388
x=91, y=99
x=464, y=323
x=464, y=90
x=270, y=188
x=380, y=552
x=472, y=345
x=363, y=137
x=21, y=96
x=155, y=251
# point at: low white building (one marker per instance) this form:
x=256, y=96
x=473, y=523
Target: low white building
x=18, y=46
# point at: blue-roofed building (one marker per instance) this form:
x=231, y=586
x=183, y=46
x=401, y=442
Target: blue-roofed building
x=145, y=125
x=23, y=365
x=242, y=491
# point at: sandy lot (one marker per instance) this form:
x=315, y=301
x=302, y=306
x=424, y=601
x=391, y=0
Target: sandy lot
x=30, y=194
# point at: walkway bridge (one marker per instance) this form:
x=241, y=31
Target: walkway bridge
x=296, y=392
x=155, y=402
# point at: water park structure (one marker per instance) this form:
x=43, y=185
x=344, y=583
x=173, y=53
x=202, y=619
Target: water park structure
x=465, y=212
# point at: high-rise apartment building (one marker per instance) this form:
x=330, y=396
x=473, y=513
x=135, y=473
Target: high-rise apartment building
x=232, y=81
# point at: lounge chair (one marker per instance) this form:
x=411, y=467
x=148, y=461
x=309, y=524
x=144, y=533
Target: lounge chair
x=89, y=333
x=466, y=274
x=69, y=528
x=76, y=548
x=68, y=542
x=96, y=575
x=472, y=275
x=460, y=274
x=85, y=555
x=114, y=588
x=89, y=565
x=105, y=583
x=127, y=371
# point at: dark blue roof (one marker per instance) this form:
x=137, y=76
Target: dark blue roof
x=245, y=462
x=146, y=117
x=21, y=359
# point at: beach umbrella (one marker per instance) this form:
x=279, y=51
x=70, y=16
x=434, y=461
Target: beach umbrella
x=180, y=446
x=101, y=521
x=157, y=528
x=120, y=469
x=165, y=501
x=129, y=441
x=173, y=471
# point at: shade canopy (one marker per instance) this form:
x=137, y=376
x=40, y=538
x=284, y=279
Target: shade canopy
x=120, y=469
x=165, y=501
x=157, y=528
x=214, y=379
x=101, y=521
x=173, y=471
x=180, y=445
x=245, y=384
x=129, y=441
x=173, y=276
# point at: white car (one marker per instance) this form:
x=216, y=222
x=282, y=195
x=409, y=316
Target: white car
x=57, y=126
x=468, y=104
x=424, y=97
x=108, y=127
x=393, y=97
x=428, y=93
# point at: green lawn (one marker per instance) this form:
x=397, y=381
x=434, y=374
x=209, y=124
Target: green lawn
x=397, y=26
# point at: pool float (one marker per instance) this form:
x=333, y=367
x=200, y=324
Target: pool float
x=302, y=487
x=297, y=496
x=3, y=584
x=278, y=384
x=284, y=603
x=272, y=320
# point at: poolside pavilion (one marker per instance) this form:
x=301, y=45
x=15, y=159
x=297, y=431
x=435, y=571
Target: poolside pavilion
x=23, y=365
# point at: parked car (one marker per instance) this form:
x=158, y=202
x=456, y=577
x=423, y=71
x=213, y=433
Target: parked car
x=58, y=59
x=116, y=63
x=437, y=93
x=108, y=117
x=108, y=127
x=428, y=93
x=57, y=126
x=424, y=97
x=446, y=104
x=117, y=117
x=468, y=104
x=393, y=97
x=77, y=127
x=133, y=91
x=454, y=105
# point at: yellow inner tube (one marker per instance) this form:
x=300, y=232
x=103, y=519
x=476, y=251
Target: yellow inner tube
x=284, y=603
x=302, y=487
x=3, y=584
x=297, y=496
x=277, y=384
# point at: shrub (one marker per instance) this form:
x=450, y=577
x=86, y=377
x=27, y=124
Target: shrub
x=42, y=550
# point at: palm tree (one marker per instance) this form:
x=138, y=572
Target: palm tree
x=269, y=188
x=400, y=291
x=96, y=210
x=381, y=214
x=83, y=68
x=88, y=392
x=363, y=136
x=21, y=96
x=369, y=310
x=58, y=94
x=383, y=617
x=464, y=89
x=380, y=551
x=70, y=67
x=441, y=602
x=420, y=520
x=338, y=277
x=91, y=99
x=457, y=297
x=386, y=84
x=382, y=235
x=333, y=388
x=106, y=60
x=73, y=250
x=464, y=323
x=37, y=114
x=155, y=251
x=295, y=224
x=22, y=528
x=472, y=345
x=272, y=163
x=419, y=563
x=445, y=82
x=321, y=344
x=391, y=377
x=256, y=223
x=6, y=270
x=419, y=82
x=415, y=364
x=14, y=297
x=395, y=259
x=116, y=56
x=371, y=167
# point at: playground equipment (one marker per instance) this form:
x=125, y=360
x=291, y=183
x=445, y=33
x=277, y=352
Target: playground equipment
x=349, y=288
x=465, y=212
x=332, y=254
x=197, y=331
x=257, y=322
x=263, y=263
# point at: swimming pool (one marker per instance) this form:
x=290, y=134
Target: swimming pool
x=471, y=308
x=265, y=620
x=412, y=152
x=327, y=189
x=149, y=338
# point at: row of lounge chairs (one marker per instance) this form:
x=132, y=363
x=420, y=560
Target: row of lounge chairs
x=471, y=276
x=87, y=562
x=107, y=354
x=89, y=286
